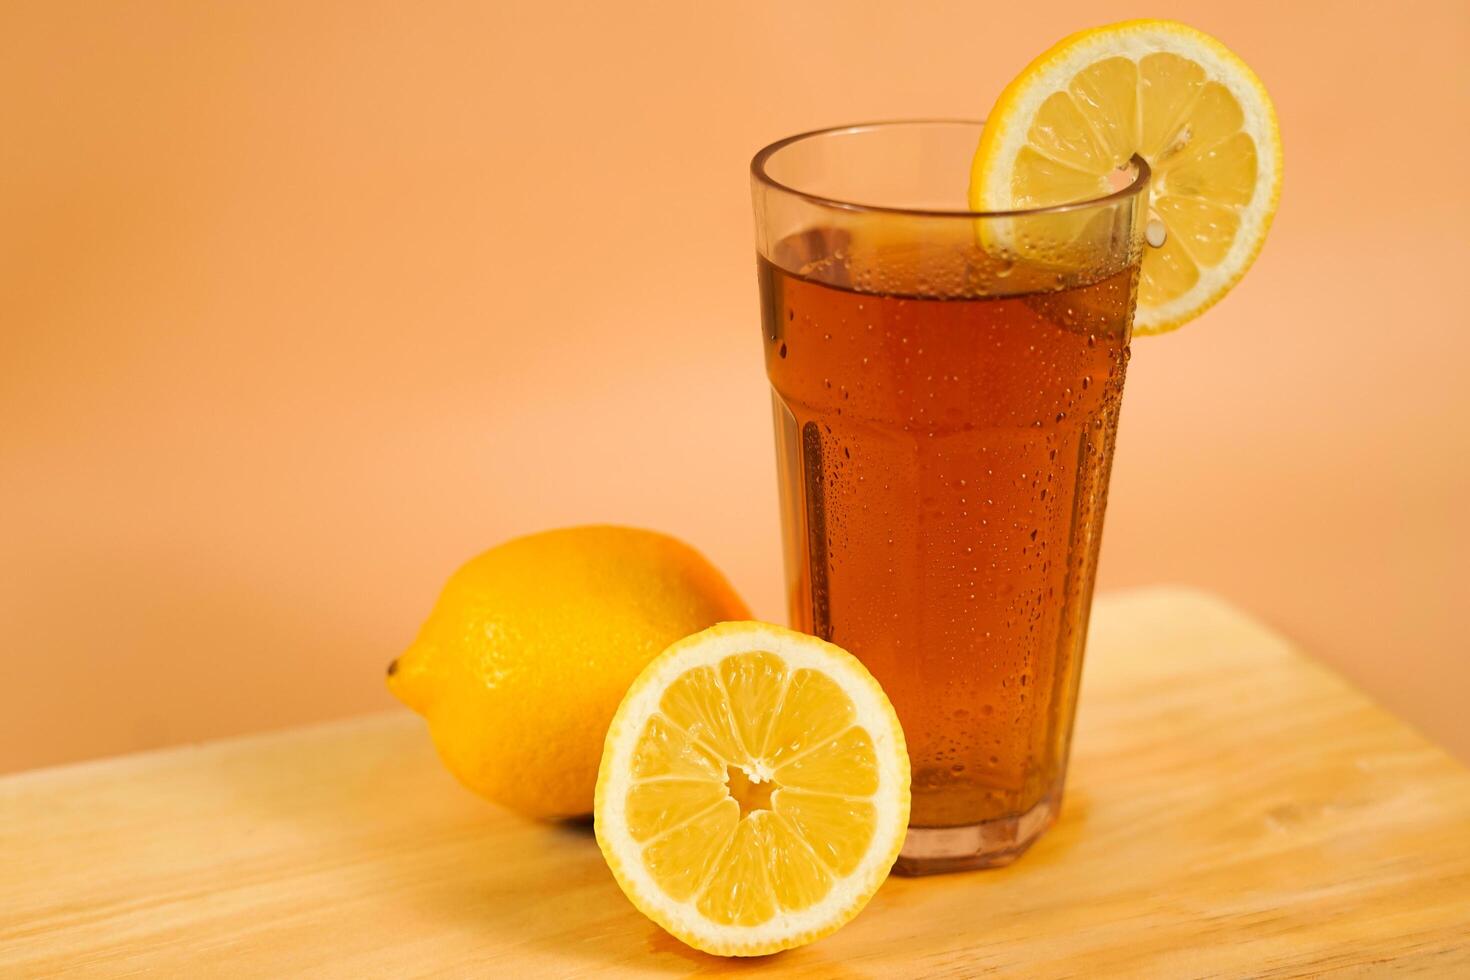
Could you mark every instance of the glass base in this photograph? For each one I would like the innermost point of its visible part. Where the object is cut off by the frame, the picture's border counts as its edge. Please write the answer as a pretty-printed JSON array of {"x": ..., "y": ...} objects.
[{"x": 990, "y": 844}]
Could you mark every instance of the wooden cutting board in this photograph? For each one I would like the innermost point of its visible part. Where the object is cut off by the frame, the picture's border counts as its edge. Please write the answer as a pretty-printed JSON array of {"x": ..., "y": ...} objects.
[{"x": 1234, "y": 810}]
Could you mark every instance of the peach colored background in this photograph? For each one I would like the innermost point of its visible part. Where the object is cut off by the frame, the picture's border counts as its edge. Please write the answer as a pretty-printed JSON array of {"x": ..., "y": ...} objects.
[{"x": 301, "y": 304}]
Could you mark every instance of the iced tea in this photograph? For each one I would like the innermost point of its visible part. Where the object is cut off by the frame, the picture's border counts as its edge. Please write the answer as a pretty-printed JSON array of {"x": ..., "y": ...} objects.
[{"x": 944, "y": 455}]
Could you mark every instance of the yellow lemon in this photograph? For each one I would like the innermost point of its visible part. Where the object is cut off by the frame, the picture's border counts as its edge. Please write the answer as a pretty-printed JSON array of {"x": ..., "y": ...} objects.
[
  {"x": 754, "y": 789},
  {"x": 532, "y": 645},
  {"x": 1065, "y": 127}
]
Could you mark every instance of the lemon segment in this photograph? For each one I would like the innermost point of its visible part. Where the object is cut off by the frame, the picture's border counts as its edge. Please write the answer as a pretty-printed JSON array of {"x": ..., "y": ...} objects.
[
  {"x": 754, "y": 789},
  {"x": 798, "y": 877},
  {"x": 846, "y": 765},
  {"x": 815, "y": 713},
  {"x": 840, "y": 827},
  {"x": 681, "y": 859},
  {"x": 1062, "y": 131}
]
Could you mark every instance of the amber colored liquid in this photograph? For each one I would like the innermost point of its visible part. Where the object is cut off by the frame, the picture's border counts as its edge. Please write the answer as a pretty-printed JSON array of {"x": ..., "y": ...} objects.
[{"x": 944, "y": 468}]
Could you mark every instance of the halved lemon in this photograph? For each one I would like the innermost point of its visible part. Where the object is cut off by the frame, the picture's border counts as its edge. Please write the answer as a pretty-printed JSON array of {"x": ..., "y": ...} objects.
[
  {"x": 1075, "y": 116},
  {"x": 754, "y": 789}
]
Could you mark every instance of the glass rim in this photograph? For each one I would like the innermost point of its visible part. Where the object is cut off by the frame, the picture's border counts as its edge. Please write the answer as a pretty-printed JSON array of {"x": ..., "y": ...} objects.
[{"x": 759, "y": 173}]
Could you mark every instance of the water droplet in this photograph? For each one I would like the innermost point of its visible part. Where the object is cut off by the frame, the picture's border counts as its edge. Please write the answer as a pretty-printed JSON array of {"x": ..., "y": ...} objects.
[{"x": 1156, "y": 232}]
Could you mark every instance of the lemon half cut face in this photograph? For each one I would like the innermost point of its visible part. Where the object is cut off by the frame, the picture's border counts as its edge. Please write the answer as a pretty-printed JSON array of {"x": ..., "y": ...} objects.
[{"x": 754, "y": 789}]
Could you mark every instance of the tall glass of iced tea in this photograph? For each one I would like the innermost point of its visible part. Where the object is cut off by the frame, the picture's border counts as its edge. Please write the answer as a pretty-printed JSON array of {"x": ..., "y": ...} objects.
[{"x": 946, "y": 386}]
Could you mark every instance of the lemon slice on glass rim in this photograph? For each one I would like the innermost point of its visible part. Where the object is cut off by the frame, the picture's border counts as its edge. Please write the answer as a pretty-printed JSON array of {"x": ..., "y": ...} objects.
[
  {"x": 1064, "y": 128},
  {"x": 754, "y": 789}
]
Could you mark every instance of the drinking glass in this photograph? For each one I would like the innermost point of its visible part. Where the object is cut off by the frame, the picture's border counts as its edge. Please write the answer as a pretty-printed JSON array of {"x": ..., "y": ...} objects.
[{"x": 946, "y": 386}]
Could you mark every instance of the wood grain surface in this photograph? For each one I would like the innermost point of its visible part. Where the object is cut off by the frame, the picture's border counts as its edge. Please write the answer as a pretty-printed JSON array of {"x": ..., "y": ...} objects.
[{"x": 1234, "y": 810}]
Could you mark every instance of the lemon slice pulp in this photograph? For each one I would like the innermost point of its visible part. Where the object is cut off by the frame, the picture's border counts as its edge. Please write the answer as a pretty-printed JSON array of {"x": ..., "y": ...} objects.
[
  {"x": 754, "y": 789},
  {"x": 1062, "y": 130}
]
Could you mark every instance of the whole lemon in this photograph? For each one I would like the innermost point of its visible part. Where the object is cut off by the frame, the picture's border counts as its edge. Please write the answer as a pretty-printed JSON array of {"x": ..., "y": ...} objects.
[{"x": 533, "y": 644}]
